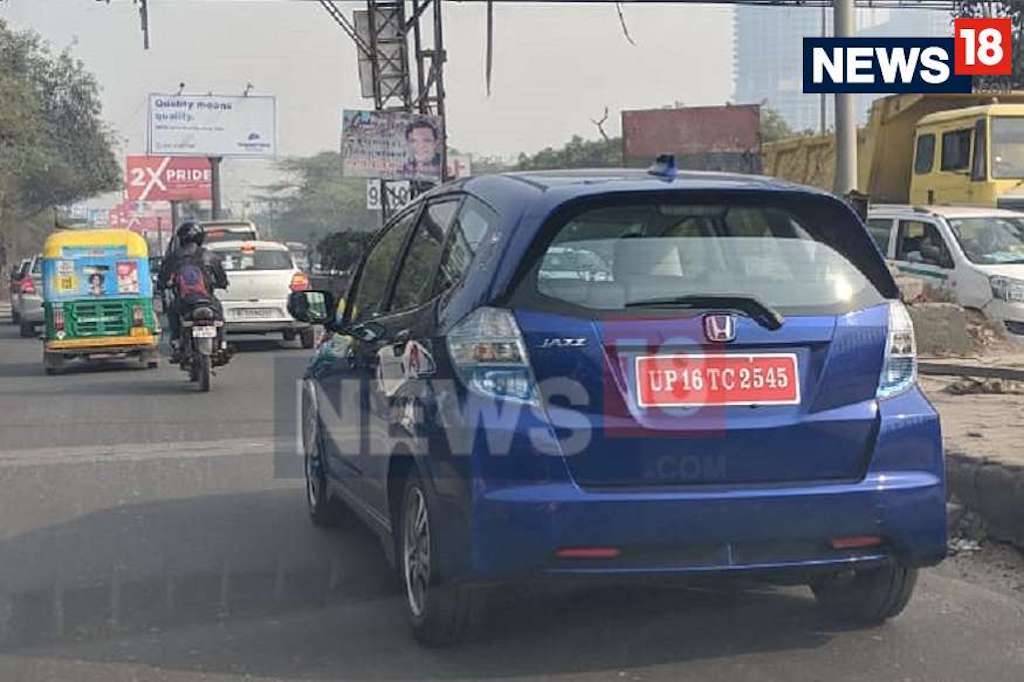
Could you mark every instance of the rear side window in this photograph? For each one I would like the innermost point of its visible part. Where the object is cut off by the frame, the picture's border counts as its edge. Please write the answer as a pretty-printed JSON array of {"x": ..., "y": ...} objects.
[
  {"x": 956, "y": 150},
  {"x": 880, "y": 230},
  {"x": 260, "y": 259},
  {"x": 413, "y": 285},
  {"x": 924, "y": 156},
  {"x": 618, "y": 258},
  {"x": 377, "y": 268},
  {"x": 467, "y": 233}
]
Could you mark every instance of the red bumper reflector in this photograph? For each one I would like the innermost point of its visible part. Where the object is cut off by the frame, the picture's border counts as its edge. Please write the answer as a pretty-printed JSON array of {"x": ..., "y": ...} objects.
[
  {"x": 588, "y": 553},
  {"x": 856, "y": 542}
]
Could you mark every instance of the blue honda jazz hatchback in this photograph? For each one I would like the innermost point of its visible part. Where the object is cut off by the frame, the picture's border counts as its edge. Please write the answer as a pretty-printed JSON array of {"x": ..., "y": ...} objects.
[{"x": 625, "y": 373}]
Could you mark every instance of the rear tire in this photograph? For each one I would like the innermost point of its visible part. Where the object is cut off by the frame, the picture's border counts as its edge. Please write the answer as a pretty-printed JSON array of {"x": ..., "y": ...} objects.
[
  {"x": 27, "y": 330},
  {"x": 324, "y": 510},
  {"x": 440, "y": 614},
  {"x": 202, "y": 364},
  {"x": 288, "y": 335},
  {"x": 53, "y": 363},
  {"x": 308, "y": 337},
  {"x": 867, "y": 597}
]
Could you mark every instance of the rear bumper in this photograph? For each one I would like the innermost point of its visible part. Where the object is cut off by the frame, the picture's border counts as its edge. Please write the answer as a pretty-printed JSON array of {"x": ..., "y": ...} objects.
[
  {"x": 108, "y": 345},
  {"x": 264, "y": 327},
  {"x": 516, "y": 529},
  {"x": 519, "y": 529}
]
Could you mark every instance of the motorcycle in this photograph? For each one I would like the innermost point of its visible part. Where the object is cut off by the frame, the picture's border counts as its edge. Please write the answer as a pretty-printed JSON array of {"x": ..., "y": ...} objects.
[{"x": 203, "y": 345}]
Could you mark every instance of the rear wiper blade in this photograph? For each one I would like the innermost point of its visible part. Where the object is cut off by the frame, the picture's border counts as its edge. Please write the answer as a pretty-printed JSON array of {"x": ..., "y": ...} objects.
[{"x": 750, "y": 306}]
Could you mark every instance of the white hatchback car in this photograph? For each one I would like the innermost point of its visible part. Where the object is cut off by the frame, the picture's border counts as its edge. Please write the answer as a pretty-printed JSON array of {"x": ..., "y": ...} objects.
[
  {"x": 261, "y": 275},
  {"x": 974, "y": 253}
]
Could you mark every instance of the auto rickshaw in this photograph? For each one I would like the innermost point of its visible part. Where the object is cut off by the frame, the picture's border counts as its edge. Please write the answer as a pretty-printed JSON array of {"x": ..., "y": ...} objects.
[{"x": 97, "y": 298}]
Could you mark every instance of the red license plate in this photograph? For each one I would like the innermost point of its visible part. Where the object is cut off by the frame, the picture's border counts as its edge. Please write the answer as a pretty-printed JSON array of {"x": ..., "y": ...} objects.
[{"x": 709, "y": 379}]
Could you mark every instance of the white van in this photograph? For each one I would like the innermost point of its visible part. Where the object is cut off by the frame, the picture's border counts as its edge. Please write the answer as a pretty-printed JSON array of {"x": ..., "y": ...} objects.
[{"x": 974, "y": 253}]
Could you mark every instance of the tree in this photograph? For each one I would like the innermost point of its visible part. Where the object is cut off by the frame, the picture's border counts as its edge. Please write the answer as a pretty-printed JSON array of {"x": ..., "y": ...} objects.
[
  {"x": 315, "y": 201},
  {"x": 773, "y": 126},
  {"x": 576, "y": 153},
  {"x": 55, "y": 148}
]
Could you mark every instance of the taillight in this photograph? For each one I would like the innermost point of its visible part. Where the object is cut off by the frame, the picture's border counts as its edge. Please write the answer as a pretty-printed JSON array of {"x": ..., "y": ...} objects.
[
  {"x": 899, "y": 370},
  {"x": 300, "y": 282},
  {"x": 58, "y": 319},
  {"x": 138, "y": 320},
  {"x": 28, "y": 286},
  {"x": 489, "y": 355}
]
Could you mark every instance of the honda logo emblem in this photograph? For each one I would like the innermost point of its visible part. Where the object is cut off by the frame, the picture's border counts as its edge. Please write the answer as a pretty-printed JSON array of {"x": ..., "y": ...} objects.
[{"x": 720, "y": 328}]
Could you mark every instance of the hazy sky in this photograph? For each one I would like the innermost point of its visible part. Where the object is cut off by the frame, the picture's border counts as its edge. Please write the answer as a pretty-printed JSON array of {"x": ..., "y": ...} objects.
[{"x": 555, "y": 67}]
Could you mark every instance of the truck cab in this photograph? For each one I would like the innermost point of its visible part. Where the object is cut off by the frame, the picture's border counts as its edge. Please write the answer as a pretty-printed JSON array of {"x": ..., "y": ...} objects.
[{"x": 971, "y": 156}]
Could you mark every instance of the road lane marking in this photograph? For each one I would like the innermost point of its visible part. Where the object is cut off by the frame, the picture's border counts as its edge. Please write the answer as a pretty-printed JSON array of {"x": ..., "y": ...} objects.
[{"x": 141, "y": 452}]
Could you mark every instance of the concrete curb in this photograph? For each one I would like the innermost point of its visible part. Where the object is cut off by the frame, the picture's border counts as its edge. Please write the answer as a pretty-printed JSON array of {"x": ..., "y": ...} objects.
[{"x": 993, "y": 490}]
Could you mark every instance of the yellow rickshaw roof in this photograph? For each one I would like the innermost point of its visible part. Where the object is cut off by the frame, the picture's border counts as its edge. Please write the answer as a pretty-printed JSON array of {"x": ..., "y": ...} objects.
[{"x": 135, "y": 244}]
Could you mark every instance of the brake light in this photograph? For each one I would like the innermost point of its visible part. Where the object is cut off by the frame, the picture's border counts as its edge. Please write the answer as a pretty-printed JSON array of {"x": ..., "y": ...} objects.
[
  {"x": 300, "y": 282},
  {"x": 58, "y": 319},
  {"x": 489, "y": 355},
  {"x": 137, "y": 318},
  {"x": 28, "y": 286},
  {"x": 899, "y": 370}
]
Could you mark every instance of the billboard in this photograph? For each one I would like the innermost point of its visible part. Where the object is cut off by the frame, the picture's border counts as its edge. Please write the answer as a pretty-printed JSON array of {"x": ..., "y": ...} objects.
[
  {"x": 212, "y": 125},
  {"x": 726, "y": 138},
  {"x": 391, "y": 145},
  {"x": 168, "y": 178}
]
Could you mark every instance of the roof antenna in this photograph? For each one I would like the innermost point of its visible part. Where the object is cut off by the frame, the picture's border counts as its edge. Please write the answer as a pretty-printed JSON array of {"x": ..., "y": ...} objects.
[{"x": 664, "y": 167}]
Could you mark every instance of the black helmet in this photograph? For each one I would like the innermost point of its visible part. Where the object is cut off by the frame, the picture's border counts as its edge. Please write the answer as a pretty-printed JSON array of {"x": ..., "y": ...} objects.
[{"x": 190, "y": 232}]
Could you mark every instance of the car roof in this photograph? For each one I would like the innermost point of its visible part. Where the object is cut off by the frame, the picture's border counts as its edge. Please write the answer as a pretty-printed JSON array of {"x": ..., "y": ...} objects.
[
  {"x": 944, "y": 211},
  {"x": 239, "y": 243},
  {"x": 510, "y": 189}
]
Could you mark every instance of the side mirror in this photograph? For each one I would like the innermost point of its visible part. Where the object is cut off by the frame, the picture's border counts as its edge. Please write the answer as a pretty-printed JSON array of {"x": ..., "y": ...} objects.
[{"x": 313, "y": 307}]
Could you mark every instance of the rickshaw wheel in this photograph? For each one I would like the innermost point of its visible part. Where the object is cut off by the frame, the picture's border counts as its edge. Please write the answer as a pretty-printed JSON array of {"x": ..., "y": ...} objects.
[{"x": 53, "y": 363}]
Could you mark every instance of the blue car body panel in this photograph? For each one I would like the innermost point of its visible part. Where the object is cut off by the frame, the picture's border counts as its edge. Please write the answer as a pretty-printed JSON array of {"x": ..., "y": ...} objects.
[{"x": 725, "y": 489}]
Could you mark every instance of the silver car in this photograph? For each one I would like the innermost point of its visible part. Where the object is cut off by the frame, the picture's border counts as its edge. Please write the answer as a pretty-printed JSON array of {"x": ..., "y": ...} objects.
[{"x": 27, "y": 299}]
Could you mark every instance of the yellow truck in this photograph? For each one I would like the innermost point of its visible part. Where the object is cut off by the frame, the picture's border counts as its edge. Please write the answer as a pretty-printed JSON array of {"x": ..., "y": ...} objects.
[{"x": 955, "y": 149}]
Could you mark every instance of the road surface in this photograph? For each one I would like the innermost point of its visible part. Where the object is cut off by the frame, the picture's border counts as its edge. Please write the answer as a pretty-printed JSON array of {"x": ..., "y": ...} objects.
[{"x": 148, "y": 532}]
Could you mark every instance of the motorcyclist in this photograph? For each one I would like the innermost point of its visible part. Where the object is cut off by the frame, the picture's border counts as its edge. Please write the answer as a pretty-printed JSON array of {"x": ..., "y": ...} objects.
[{"x": 192, "y": 273}]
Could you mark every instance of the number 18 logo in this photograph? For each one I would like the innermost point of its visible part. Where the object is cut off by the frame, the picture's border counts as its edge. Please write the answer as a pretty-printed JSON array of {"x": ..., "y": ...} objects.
[{"x": 984, "y": 47}]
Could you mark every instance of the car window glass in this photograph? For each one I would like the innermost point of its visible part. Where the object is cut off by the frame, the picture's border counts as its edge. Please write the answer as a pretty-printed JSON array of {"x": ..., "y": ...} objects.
[
  {"x": 956, "y": 150},
  {"x": 261, "y": 259},
  {"x": 921, "y": 242},
  {"x": 37, "y": 266},
  {"x": 979, "y": 165},
  {"x": 881, "y": 231},
  {"x": 613, "y": 259},
  {"x": 420, "y": 265},
  {"x": 380, "y": 263},
  {"x": 924, "y": 156},
  {"x": 467, "y": 233}
]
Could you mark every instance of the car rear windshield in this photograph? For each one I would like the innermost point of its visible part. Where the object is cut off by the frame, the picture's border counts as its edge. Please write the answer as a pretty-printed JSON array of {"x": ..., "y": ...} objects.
[
  {"x": 614, "y": 258},
  {"x": 212, "y": 235},
  {"x": 260, "y": 259}
]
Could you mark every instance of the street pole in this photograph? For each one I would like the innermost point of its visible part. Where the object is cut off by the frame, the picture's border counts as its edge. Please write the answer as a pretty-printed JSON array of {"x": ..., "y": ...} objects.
[
  {"x": 215, "y": 187},
  {"x": 160, "y": 234},
  {"x": 846, "y": 123},
  {"x": 822, "y": 102},
  {"x": 175, "y": 214}
]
